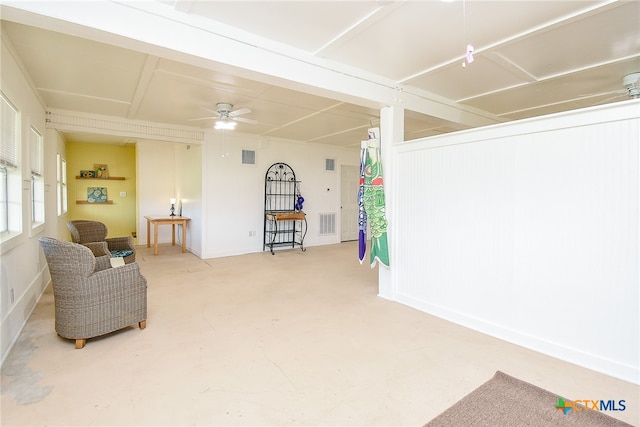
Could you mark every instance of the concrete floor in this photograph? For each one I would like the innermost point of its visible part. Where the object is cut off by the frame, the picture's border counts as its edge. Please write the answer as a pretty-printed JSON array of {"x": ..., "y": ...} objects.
[{"x": 287, "y": 339}]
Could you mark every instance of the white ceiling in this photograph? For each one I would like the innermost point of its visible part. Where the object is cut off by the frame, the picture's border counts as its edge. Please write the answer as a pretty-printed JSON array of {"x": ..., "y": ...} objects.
[{"x": 531, "y": 58}]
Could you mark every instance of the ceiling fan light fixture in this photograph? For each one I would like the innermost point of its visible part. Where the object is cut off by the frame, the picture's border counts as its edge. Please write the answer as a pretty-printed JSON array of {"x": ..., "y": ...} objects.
[{"x": 225, "y": 124}]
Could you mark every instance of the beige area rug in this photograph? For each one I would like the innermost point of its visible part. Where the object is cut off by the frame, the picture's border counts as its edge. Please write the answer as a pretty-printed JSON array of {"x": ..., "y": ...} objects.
[{"x": 508, "y": 401}]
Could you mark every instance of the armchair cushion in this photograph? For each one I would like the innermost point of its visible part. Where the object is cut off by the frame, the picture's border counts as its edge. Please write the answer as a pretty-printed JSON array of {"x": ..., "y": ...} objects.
[{"x": 121, "y": 253}]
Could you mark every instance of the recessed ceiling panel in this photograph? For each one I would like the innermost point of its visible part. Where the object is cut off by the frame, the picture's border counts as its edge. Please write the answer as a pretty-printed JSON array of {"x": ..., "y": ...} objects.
[
  {"x": 421, "y": 35},
  {"x": 320, "y": 124},
  {"x": 532, "y": 57},
  {"x": 592, "y": 83},
  {"x": 350, "y": 139},
  {"x": 306, "y": 25},
  {"x": 561, "y": 107},
  {"x": 65, "y": 64},
  {"x": 418, "y": 125},
  {"x": 358, "y": 111},
  {"x": 208, "y": 77},
  {"x": 185, "y": 91},
  {"x": 177, "y": 103},
  {"x": 594, "y": 39},
  {"x": 456, "y": 82},
  {"x": 280, "y": 95}
]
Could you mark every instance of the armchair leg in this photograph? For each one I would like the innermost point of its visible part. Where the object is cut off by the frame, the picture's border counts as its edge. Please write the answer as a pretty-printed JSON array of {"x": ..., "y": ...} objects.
[
  {"x": 80, "y": 343},
  {"x": 142, "y": 324}
]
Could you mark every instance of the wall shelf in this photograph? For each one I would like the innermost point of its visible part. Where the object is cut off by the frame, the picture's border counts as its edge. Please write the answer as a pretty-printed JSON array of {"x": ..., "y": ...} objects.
[
  {"x": 112, "y": 178},
  {"x": 85, "y": 202}
]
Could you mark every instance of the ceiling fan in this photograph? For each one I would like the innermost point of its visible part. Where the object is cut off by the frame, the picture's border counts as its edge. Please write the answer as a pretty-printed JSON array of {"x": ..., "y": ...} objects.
[
  {"x": 226, "y": 117},
  {"x": 631, "y": 84}
]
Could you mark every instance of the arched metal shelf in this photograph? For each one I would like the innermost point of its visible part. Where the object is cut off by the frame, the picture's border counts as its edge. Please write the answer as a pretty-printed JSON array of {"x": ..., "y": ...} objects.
[{"x": 284, "y": 225}]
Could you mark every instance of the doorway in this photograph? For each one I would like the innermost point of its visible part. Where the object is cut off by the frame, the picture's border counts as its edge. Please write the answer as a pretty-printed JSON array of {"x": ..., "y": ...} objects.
[{"x": 349, "y": 185}]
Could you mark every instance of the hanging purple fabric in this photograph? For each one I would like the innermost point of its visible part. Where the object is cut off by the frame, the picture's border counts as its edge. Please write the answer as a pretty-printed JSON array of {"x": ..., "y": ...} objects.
[{"x": 362, "y": 215}]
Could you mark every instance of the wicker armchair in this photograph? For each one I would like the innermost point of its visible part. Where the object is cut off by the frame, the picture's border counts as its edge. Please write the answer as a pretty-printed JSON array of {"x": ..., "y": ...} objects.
[
  {"x": 93, "y": 234},
  {"x": 91, "y": 298}
]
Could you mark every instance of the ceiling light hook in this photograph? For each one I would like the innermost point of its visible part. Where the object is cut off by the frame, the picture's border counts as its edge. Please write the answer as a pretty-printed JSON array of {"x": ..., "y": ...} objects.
[{"x": 469, "y": 49}]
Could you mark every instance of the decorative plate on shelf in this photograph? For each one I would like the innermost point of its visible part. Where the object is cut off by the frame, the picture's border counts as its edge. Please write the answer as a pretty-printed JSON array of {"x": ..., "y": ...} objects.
[{"x": 97, "y": 194}]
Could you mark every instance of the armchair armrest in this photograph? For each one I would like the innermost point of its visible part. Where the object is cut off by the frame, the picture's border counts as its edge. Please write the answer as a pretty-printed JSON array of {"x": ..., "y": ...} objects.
[
  {"x": 98, "y": 248},
  {"x": 126, "y": 278},
  {"x": 102, "y": 263}
]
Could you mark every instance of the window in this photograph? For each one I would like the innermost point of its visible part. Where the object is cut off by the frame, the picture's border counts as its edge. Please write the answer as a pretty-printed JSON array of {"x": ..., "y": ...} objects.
[
  {"x": 58, "y": 184},
  {"x": 61, "y": 187},
  {"x": 4, "y": 215},
  {"x": 10, "y": 180},
  {"x": 37, "y": 179}
]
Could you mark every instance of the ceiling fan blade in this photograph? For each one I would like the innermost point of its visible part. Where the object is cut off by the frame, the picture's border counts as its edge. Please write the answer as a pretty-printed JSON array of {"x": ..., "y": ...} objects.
[
  {"x": 210, "y": 110},
  {"x": 245, "y": 120},
  {"x": 239, "y": 112},
  {"x": 203, "y": 118}
]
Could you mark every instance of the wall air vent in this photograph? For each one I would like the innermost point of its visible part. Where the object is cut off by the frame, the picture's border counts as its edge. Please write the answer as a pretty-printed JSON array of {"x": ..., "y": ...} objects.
[
  {"x": 248, "y": 157},
  {"x": 327, "y": 224},
  {"x": 330, "y": 164}
]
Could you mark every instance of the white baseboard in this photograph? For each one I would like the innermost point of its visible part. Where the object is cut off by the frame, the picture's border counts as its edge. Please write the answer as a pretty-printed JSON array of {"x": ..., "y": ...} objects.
[
  {"x": 557, "y": 350},
  {"x": 15, "y": 320}
]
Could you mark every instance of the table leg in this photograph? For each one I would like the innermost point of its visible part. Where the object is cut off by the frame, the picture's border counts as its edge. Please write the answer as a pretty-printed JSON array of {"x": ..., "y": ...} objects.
[
  {"x": 184, "y": 236},
  {"x": 155, "y": 238},
  {"x": 173, "y": 234},
  {"x": 148, "y": 233}
]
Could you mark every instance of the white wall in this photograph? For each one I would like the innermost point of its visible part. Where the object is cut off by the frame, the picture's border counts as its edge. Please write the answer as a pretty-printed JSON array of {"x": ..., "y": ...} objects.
[
  {"x": 189, "y": 192},
  {"x": 528, "y": 231},
  {"x": 22, "y": 266},
  {"x": 234, "y": 193},
  {"x": 156, "y": 178},
  {"x": 166, "y": 170},
  {"x": 225, "y": 198}
]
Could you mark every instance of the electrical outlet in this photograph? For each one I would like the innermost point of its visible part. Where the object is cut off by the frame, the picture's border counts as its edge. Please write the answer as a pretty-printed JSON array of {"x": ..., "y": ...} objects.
[
  {"x": 252, "y": 233},
  {"x": 12, "y": 296}
]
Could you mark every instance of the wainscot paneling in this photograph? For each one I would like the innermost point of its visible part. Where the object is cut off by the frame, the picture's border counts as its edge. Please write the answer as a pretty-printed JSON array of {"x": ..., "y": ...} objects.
[{"x": 528, "y": 231}]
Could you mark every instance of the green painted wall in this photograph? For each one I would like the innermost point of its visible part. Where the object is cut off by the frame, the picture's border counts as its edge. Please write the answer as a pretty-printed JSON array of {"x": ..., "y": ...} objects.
[{"x": 120, "y": 217}]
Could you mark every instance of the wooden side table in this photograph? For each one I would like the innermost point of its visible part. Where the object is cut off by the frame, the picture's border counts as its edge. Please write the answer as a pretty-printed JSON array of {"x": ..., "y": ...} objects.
[{"x": 161, "y": 220}]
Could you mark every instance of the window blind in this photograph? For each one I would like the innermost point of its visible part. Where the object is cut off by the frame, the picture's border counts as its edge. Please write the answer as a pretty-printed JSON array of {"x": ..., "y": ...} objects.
[{"x": 8, "y": 133}]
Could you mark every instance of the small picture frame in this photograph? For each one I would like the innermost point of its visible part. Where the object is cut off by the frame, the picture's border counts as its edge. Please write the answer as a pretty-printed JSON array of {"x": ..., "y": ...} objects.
[
  {"x": 87, "y": 174},
  {"x": 97, "y": 194},
  {"x": 101, "y": 170}
]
